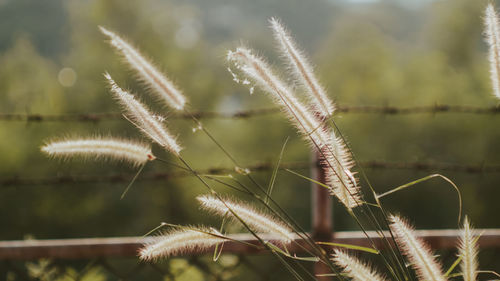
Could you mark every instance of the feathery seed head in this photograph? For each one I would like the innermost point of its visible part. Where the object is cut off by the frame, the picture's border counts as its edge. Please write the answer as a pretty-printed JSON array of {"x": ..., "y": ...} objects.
[
  {"x": 492, "y": 34},
  {"x": 337, "y": 163},
  {"x": 257, "y": 70},
  {"x": 100, "y": 148},
  {"x": 253, "y": 218},
  {"x": 354, "y": 268},
  {"x": 337, "y": 160},
  {"x": 302, "y": 70},
  {"x": 180, "y": 241},
  {"x": 416, "y": 250},
  {"x": 143, "y": 119},
  {"x": 468, "y": 250},
  {"x": 147, "y": 72}
]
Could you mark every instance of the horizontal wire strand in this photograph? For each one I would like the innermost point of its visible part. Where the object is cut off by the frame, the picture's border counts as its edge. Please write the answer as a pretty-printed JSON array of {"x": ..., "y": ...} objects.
[
  {"x": 244, "y": 114},
  {"x": 258, "y": 167}
]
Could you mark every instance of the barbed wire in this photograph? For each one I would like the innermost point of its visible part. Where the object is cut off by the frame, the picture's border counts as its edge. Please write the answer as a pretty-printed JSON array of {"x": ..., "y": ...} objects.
[
  {"x": 110, "y": 116},
  {"x": 259, "y": 167},
  {"x": 243, "y": 114}
]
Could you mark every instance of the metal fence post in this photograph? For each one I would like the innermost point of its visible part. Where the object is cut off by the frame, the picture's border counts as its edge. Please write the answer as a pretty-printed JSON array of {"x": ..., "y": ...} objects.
[{"x": 322, "y": 220}]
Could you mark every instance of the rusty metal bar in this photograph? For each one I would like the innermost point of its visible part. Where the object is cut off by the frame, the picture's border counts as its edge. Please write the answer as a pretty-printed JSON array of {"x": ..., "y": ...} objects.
[
  {"x": 322, "y": 220},
  {"x": 86, "y": 248}
]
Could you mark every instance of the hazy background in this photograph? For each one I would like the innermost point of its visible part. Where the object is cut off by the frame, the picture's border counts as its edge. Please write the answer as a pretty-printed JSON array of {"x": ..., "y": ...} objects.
[{"x": 396, "y": 53}]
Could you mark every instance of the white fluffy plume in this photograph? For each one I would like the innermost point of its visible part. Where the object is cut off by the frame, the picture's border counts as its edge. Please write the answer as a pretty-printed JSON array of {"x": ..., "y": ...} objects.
[
  {"x": 493, "y": 39},
  {"x": 336, "y": 158},
  {"x": 416, "y": 250},
  {"x": 253, "y": 218},
  {"x": 148, "y": 73},
  {"x": 302, "y": 70},
  {"x": 354, "y": 268},
  {"x": 468, "y": 251},
  {"x": 180, "y": 241},
  {"x": 132, "y": 152},
  {"x": 140, "y": 116},
  {"x": 337, "y": 164},
  {"x": 257, "y": 70}
]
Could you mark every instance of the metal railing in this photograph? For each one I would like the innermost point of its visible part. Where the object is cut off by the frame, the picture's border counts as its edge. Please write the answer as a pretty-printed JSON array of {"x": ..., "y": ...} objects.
[
  {"x": 106, "y": 254},
  {"x": 98, "y": 251},
  {"x": 90, "y": 248}
]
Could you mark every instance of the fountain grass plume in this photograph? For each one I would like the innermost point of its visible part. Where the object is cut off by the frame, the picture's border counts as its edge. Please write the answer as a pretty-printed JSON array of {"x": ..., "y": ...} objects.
[
  {"x": 147, "y": 72},
  {"x": 133, "y": 152},
  {"x": 468, "y": 250},
  {"x": 143, "y": 119},
  {"x": 336, "y": 160},
  {"x": 180, "y": 241},
  {"x": 418, "y": 253},
  {"x": 492, "y": 34},
  {"x": 256, "y": 69},
  {"x": 302, "y": 71},
  {"x": 337, "y": 163},
  {"x": 354, "y": 268},
  {"x": 254, "y": 218}
]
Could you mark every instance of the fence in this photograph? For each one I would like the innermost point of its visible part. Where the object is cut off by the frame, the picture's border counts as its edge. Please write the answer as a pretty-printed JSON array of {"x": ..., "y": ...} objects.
[
  {"x": 267, "y": 166},
  {"x": 101, "y": 252},
  {"x": 85, "y": 254},
  {"x": 367, "y": 109}
]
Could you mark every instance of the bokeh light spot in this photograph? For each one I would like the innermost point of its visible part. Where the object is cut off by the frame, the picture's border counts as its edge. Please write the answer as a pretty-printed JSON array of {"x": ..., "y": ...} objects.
[{"x": 67, "y": 77}]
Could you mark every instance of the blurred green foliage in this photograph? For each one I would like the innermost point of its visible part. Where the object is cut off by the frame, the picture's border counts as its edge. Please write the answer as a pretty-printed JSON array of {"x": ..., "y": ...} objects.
[{"x": 378, "y": 54}]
